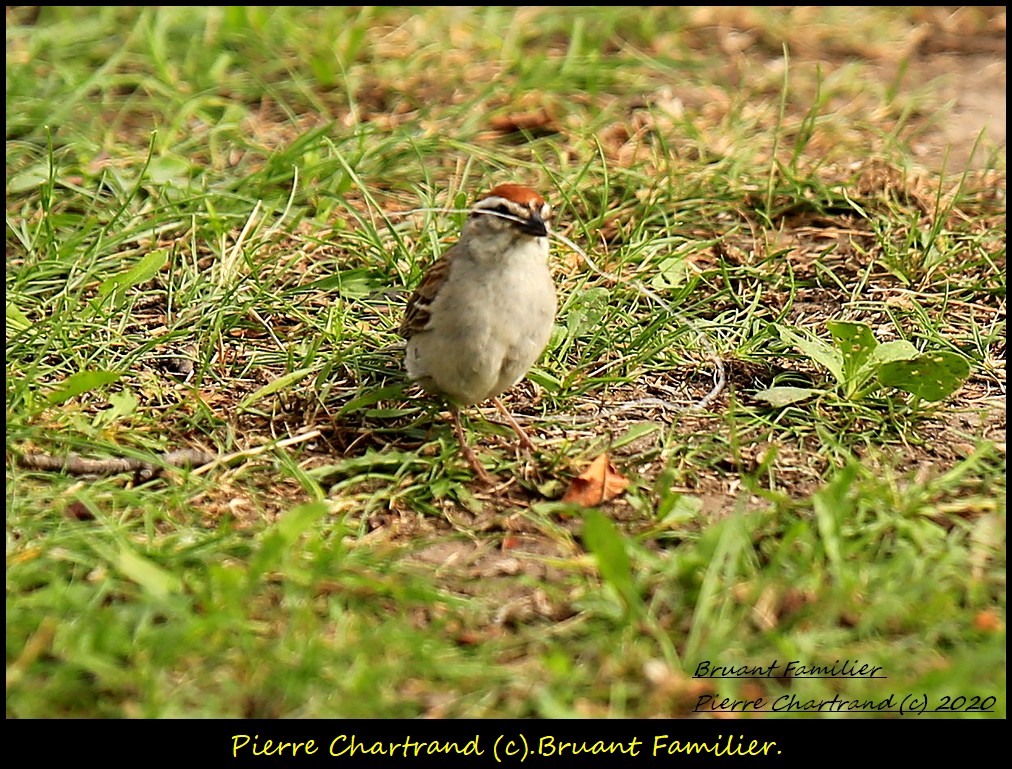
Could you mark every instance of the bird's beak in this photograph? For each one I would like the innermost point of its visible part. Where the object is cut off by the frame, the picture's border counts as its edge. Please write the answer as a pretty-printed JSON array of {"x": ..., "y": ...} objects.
[{"x": 535, "y": 226}]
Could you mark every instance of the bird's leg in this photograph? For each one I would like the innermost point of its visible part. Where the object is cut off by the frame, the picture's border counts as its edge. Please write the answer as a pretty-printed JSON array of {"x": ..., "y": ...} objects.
[
  {"x": 525, "y": 441},
  {"x": 467, "y": 451}
]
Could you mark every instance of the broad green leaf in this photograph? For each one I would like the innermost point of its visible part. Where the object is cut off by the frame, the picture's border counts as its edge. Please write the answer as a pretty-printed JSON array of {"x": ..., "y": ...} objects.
[
  {"x": 856, "y": 343},
  {"x": 932, "y": 376},
  {"x": 899, "y": 349},
  {"x": 120, "y": 405},
  {"x": 170, "y": 169},
  {"x": 671, "y": 272},
  {"x": 352, "y": 284},
  {"x": 79, "y": 383},
  {"x": 30, "y": 178},
  {"x": 123, "y": 404},
  {"x": 145, "y": 269},
  {"x": 606, "y": 542},
  {"x": 16, "y": 319},
  {"x": 586, "y": 311},
  {"x": 785, "y": 396},
  {"x": 544, "y": 379},
  {"x": 276, "y": 386},
  {"x": 147, "y": 574},
  {"x": 676, "y": 508},
  {"x": 828, "y": 357}
]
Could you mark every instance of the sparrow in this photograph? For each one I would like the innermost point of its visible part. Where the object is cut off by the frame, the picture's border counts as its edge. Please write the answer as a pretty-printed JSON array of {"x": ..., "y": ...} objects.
[{"x": 483, "y": 312}]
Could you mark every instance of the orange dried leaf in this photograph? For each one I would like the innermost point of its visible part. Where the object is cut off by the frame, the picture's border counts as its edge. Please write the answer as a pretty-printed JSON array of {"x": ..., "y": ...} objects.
[
  {"x": 537, "y": 122},
  {"x": 509, "y": 542},
  {"x": 78, "y": 511},
  {"x": 599, "y": 483},
  {"x": 987, "y": 621}
]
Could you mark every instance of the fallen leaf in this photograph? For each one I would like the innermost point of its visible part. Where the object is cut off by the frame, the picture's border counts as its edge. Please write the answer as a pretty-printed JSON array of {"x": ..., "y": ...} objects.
[
  {"x": 469, "y": 638},
  {"x": 781, "y": 396},
  {"x": 764, "y": 611},
  {"x": 599, "y": 483},
  {"x": 79, "y": 511},
  {"x": 987, "y": 622},
  {"x": 536, "y": 122}
]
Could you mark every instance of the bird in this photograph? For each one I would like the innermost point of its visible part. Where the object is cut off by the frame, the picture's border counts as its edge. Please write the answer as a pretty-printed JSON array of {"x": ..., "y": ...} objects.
[{"x": 483, "y": 312}]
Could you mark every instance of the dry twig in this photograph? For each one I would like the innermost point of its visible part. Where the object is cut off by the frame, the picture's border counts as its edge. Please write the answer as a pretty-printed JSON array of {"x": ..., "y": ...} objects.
[{"x": 75, "y": 464}]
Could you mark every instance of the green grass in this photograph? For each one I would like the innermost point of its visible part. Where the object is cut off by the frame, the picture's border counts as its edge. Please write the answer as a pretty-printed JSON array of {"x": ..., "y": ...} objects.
[{"x": 204, "y": 249}]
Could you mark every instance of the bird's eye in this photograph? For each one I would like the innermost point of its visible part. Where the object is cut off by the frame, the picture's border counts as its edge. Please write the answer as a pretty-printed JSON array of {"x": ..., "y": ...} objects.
[{"x": 502, "y": 210}]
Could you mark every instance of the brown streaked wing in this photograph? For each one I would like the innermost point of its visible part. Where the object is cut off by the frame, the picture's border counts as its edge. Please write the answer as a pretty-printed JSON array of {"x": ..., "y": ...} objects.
[{"x": 416, "y": 314}]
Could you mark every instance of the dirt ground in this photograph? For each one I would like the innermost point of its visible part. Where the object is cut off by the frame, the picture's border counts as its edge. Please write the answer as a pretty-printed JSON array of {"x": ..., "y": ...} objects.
[
  {"x": 965, "y": 78},
  {"x": 974, "y": 86}
]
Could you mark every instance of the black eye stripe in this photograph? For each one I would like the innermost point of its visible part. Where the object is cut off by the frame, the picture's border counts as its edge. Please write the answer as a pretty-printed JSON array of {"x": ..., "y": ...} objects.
[{"x": 499, "y": 210}]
